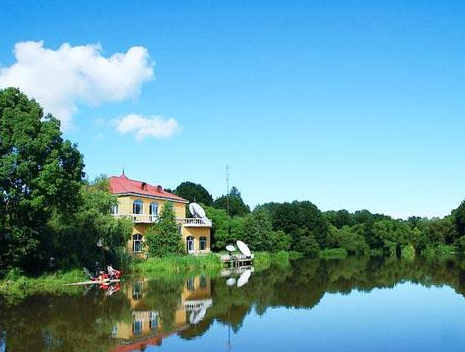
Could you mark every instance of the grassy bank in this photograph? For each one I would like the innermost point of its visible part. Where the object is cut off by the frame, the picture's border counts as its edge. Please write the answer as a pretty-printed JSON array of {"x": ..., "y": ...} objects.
[
  {"x": 16, "y": 286},
  {"x": 177, "y": 264},
  {"x": 209, "y": 263}
]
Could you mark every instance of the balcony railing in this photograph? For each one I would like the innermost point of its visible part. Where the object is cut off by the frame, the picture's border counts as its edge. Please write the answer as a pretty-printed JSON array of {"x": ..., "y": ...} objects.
[
  {"x": 150, "y": 219},
  {"x": 138, "y": 218},
  {"x": 195, "y": 222}
]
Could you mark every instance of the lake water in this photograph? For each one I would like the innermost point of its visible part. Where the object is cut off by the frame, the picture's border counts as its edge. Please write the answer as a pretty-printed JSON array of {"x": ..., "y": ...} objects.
[{"x": 309, "y": 305}]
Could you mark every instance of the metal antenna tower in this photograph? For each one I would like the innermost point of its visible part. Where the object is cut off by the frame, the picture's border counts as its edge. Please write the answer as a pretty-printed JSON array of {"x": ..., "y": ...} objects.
[{"x": 227, "y": 188}]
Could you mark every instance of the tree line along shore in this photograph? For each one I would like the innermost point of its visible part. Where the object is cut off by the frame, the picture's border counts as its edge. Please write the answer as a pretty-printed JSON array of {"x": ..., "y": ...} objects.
[{"x": 52, "y": 216}]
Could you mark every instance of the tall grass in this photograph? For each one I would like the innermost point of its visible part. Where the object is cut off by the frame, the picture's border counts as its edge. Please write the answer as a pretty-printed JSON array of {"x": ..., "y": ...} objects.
[
  {"x": 177, "y": 264},
  {"x": 16, "y": 286}
]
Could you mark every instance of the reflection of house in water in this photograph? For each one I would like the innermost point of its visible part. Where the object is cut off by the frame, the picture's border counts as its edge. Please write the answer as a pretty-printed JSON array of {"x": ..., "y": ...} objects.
[{"x": 146, "y": 327}]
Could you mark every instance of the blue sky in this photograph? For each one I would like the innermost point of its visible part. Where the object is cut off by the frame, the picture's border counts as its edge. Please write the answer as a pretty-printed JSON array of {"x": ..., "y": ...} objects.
[{"x": 349, "y": 104}]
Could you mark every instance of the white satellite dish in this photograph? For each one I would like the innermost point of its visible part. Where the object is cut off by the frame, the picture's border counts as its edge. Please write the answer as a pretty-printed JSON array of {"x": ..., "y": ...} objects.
[
  {"x": 231, "y": 281},
  {"x": 230, "y": 248},
  {"x": 243, "y": 248},
  {"x": 197, "y": 211},
  {"x": 197, "y": 317},
  {"x": 244, "y": 278}
]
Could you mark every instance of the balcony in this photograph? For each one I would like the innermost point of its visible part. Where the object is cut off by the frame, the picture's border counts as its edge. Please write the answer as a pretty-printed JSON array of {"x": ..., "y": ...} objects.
[
  {"x": 138, "y": 218},
  {"x": 151, "y": 219},
  {"x": 195, "y": 222}
]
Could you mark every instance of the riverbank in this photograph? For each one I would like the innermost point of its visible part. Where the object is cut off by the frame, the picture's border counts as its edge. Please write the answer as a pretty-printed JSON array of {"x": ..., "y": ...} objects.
[
  {"x": 16, "y": 286},
  {"x": 208, "y": 263}
]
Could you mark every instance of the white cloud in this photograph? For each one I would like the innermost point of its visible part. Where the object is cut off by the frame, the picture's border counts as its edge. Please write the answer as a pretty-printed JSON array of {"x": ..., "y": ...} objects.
[
  {"x": 152, "y": 126},
  {"x": 61, "y": 79}
]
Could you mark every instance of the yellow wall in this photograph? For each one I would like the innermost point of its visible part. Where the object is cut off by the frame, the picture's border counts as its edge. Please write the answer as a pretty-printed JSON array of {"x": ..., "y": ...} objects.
[
  {"x": 125, "y": 205},
  {"x": 197, "y": 232}
]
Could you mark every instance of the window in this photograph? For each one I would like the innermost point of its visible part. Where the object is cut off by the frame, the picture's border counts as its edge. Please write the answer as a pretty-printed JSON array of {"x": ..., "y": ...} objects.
[
  {"x": 137, "y": 207},
  {"x": 153, "y": 320},
  {"x": 190, "y": 284},
  {"x": 137, "y": 243},
  {"x": 137, "y": 290},
  {"x": 153, "y": 210},
  {"x": 190, "y": 244},
  {"x": 114, "y": 209},
  {"x": 203, "y": 281},
  {"x": 137, "y": 327},
  {"x": 203, "y": 243}
]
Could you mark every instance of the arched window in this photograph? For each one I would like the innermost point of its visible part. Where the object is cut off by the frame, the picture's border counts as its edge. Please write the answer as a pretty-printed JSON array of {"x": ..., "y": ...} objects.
[
  {"x": 153, "y": 320},
  {"x": 137, "y": 243},
  {"x": 203, "y": 243},
  {"x": 137, "y": 207},
  {"x": 190, "y": 244},
  {"x": 203, "y": 281},
  {"x": 153, "y": 210},
  {"x": 190, "y": 284}
]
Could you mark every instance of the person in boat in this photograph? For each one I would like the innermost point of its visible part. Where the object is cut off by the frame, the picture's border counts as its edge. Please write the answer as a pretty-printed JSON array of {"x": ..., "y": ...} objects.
[{"x": 111, "y": 272}]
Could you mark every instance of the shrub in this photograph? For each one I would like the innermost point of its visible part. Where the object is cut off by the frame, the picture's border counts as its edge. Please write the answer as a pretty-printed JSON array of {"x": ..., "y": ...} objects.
[{"x": 308, "y": 246}]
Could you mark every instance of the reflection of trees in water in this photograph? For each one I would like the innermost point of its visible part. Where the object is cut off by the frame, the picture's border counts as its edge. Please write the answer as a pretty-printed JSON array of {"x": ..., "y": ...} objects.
[
  {"x": 77, "y": 323},
  {"x": 63, "y": 323},
  {"x": 304, "y": 282},
  {"x": 164, "y": 296}
]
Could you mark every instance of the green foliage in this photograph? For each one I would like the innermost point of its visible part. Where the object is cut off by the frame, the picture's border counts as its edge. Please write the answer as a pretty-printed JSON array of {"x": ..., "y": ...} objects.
[
  {"x": 295, "y": 217},
  {"x": 280, "y": 241},
  {"x": 333, "y": 253},
  {"x": 194, "y": 192},
  {"x": 308, "y": 246},
  {"x": 233, "y": 201},
  {"x": 16, "y": 286},
  {"x": 226, "y": 230},
  {"x": 76, "y": 234},
  {"x": 163, "y": 238},
  {"x": 408, "y": 251},
  {"x": 349, "y": 238},
  {"x": 340, "y": 218},
  {"x": 258, "y": 230},
  {"x": 40, "y": 174},
  {"x": 459, "y": 219}
]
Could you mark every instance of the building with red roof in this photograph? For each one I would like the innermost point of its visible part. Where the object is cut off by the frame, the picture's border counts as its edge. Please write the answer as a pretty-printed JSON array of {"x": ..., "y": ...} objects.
[{"x": 142, "y": 203}]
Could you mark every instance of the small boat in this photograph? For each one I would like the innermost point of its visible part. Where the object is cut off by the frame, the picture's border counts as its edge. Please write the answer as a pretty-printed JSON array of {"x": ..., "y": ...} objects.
[{"x": 104, "y": 278}]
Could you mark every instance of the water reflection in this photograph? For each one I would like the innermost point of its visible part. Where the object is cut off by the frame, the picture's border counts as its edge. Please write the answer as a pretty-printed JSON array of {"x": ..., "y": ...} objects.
[
  {"x": 160, "y": 308},
  {"x": 148, "y": 311}
]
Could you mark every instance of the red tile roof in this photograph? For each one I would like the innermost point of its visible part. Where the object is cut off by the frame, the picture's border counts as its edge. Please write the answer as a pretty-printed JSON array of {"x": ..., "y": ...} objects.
[{"x": 123, "y": 185}]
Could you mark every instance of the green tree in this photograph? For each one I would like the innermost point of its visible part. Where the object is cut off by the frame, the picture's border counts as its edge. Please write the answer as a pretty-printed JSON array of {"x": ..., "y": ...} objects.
[
  {"x": 163, "y": 238},
  {"x": 296, "y": 216},
  {"x": 194, "y": 192},
  {"x": 459, "y": 219},
  {"x": 258, "y": 230},
  {"x": 40, "y": 173},
  {"x": 226, "y": 230},
  {"x": 349, "y": 238},
  {"x": 233, "y": 202},
  {"x": 281, "y": 241},
  {"x": 76, "y": 234},
  {"x": 307, "y": 245},
  {"x": 339, "y": 218}
]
